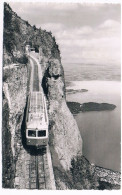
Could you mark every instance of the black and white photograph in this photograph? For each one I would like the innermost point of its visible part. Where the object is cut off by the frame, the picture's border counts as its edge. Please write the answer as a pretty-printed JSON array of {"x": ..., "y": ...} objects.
[{"x": 61, "y": 96}]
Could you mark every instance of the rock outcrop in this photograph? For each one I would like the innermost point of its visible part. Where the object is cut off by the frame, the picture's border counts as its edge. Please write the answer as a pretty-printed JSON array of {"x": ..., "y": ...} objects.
[
  {"x": 8, "y": 167},
  {"x": 65, "y": 137},
  {"x": 14, "y": 100}
]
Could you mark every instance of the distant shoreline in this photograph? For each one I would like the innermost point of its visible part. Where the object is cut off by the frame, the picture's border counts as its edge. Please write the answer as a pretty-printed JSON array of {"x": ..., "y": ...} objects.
[{"x": 73, "y": 91}]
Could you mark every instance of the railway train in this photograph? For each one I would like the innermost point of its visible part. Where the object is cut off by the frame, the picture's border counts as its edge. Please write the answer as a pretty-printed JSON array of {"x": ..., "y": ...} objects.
[{"x": 36, "y": 120}]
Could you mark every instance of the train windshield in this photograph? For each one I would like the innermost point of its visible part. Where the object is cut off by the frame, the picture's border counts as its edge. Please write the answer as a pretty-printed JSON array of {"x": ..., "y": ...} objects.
[
  {"x": 42, "y": 133},
  {"x": 31, "y": 133}
]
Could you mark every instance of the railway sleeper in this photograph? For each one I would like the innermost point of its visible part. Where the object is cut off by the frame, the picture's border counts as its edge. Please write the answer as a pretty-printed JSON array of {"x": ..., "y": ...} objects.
[
  {"x": 33, "y": 176},
  {"x": 33, "y": 171},
  {"x": 40, "y": 163},
  {"x": 42, "y": 186},
  {"x": 41, "y": 180},
  {"x": 41, "y": 175},
  {"x": 33, "y": 179},
  {"x": 33, "y": 186},
  {"x": 41, "y": 168}
]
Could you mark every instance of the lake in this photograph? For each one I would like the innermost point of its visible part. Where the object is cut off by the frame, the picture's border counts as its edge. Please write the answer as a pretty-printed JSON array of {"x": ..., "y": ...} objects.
[{"x": 100, "y": 130}]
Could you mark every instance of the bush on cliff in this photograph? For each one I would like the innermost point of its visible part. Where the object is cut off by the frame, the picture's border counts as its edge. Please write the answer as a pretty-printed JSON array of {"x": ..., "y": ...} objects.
[
  {"x": 21, "y": 59},
  {"x": 18, "y": 33},
  {"x": 83, "y": 174}
]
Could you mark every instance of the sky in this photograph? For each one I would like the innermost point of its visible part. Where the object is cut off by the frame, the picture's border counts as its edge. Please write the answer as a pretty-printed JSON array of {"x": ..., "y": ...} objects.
[{"x": 85, "y": 33}]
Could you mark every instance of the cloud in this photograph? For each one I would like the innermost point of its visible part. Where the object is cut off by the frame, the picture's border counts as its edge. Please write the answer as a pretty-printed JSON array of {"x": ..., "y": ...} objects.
[
  {"x": 53, "y": 27},
  {"x": 64, "y": 6},
  {"x": 99, "y": 45},
  {"x": 84, "y": 32},
  {"x": 70, "y": 14},
  {"x": 102, "y": 50},
  {"x": 110, "y": 24}
]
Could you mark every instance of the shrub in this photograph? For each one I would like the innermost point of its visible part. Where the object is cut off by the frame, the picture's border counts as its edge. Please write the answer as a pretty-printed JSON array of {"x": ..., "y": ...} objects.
[
  {"x": 22, "y": 59},
  {"x": 34, "y": 28},
  {"x": 36, "y": 48},
  {"x": 16, "y": 26},
  {"x": 7, "y": 18},
  {"x": 83, "y": 174}
]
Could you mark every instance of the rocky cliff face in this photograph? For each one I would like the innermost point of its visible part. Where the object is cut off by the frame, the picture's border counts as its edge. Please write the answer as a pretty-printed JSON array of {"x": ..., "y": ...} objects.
[
  {"x": 14, "y": 100},
  {"x": 65, "y": 138},
  {"x": 7, "y": 157}
]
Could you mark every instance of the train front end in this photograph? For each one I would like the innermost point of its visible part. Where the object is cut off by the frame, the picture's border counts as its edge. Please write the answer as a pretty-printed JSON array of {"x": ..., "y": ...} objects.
[{"x": 37, "y": 136}]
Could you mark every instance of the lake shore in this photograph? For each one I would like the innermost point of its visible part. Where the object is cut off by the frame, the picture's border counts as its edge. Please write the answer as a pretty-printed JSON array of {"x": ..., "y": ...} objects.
[
  {"x": 100, "y": 130},
  {"x": 100, "y": 178},
  {"x": 107, "y": 178}
]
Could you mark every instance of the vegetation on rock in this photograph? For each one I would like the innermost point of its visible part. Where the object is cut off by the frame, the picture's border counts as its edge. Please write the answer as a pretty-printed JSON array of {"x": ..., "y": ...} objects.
[
  {"x": 83, "y": 174},
  {"x": 17, "y": 33},
  {"x": 8, "y": 171}
]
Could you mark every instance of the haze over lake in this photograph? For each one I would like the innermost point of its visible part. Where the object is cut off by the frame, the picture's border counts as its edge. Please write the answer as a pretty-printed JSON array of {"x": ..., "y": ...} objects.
[{"x": 100, "y": 131}]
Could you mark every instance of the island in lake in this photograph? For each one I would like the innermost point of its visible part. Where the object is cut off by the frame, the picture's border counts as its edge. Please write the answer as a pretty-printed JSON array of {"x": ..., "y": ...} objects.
[{"x": 76, "y": 107}]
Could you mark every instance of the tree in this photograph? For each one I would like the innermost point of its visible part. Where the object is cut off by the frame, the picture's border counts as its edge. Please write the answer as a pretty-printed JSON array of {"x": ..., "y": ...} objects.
[
  {"x": 34, "y": 27},
  {"x": 83, "y": 174},
  {"x": 7, "y": 18}
]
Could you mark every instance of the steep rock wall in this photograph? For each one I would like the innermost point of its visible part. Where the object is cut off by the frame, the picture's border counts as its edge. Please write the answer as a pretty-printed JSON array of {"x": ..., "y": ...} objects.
[
  {"x": 14, "y": 100},
  {"x": 8, "y": 167},
  {"x": 65, "y": 137}
]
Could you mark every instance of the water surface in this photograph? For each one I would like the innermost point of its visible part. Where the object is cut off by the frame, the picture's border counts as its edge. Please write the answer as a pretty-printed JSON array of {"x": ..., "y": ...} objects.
[{"x": 100, "y": 131}]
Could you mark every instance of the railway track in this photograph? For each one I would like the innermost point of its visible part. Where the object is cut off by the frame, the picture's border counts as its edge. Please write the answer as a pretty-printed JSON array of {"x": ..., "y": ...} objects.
[
  {"x": 39, "y": 171},
  {"x": 33, "y": 170},
  {"x": 33, "y": 167},
  {"x": 35, "y": 80},
  {"x": 37, "y": 161},
  {"x": 37, "y": 176}
]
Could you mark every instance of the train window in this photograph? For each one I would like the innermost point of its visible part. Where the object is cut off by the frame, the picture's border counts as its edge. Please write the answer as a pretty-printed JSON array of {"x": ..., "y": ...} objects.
[
  {"x": 42, "y": 133},
  {"x": 31, "y": 133}
]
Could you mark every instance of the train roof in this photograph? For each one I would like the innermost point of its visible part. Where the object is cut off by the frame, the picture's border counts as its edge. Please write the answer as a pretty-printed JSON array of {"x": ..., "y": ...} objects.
[
  {"x": 36, "y": 103},
  {"x": 37, "y": 114}
]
